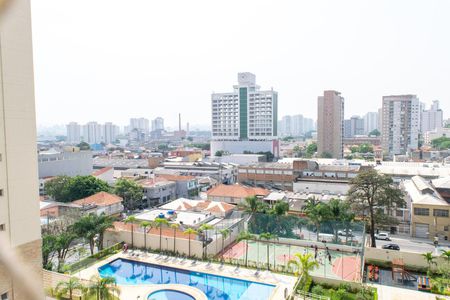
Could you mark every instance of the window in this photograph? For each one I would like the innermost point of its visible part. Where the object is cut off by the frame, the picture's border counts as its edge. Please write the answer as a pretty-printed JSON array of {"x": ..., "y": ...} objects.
[
  {"x": 399, "y": 213},
  {"x": 5, "y": 296},
  {"x": 446, "y": 228},
  {"x": 2, "y": 228},
  {"x": 440, "y": 213},
  {"x": 418, "y": 211},
  {"x": 1, "y": 192}
]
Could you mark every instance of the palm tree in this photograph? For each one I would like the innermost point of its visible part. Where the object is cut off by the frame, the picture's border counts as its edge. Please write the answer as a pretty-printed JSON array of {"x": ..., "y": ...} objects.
[
  {"x": 429, "y": 258},
  {"x": 103, "y": 222},
  {"x": 190, "y": 231},
  {"x": 103, "y": 288},
  {"x": 174, "y": 226},
  {"x": 245, "y": 236},
  {"x": 131, "y": 220},
  {"x": 159, "y": 222},
  {"x": 225, "y": 233},
  {"x": 67, "y": 287},
  {"x": 204, "y": 229},
  {"x": 317, "y": 212},
  {"x": 145, "y": 224},
  {"x": 304, "y": 264},
  {"x": 446, "y": 254},
  {"x": 267, "y": 236}
]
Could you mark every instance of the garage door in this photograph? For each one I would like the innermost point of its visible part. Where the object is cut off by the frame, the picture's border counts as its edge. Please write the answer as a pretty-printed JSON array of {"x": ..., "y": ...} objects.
[{"x": 422, "y": 231}]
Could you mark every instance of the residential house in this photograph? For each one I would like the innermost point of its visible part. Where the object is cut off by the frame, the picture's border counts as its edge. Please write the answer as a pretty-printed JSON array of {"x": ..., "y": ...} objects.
[
  {"x": 235, "y": 194},
  {"x": 101, "y": 202},
  {"x": 158, "y": 190},
  {"x": 186, "y": 186}
]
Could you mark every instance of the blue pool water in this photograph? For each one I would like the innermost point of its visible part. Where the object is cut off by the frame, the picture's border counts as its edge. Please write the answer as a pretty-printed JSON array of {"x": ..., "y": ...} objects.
[
  {"x": 169, "y": 295},
  {"x": 215, "y": 287}
]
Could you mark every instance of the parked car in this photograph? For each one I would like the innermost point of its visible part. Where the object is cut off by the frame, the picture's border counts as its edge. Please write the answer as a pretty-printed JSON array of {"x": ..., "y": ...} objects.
[
  {"x": 391, "y": 247},
  {"x": 382, "y": 236},
  {"x": 344, "y": 233}
]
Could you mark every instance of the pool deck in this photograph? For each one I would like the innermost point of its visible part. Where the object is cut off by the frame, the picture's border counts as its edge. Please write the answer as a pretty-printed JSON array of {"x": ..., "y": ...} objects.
[{"x": 281, "y": 282}]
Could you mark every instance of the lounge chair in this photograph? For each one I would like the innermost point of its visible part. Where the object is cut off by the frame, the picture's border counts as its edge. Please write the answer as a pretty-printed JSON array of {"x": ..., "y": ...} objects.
[
  {"x": 257, "y": 273},
  {"x": 236, "y": 270},
  {"x": 221, "y": 265},
  {"x": 208, "y": 265},
  {"x": 194, "y": 262}
]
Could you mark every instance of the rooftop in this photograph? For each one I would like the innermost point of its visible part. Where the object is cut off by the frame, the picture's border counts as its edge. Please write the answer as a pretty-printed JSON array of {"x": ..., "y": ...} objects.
[
  {"x": 101, "y": 171},
  {"x": 156, "y": 181},
  {"x": 183, "y": 204},
  {"x": 442, "y": 183},
  {"x": 187, "y": 218},
  {"x": 100, "y": 199},
  {"x": 421, "y": 192},
  {"x": 174, "y": 177},
  {"x": 236, "y": 191}
]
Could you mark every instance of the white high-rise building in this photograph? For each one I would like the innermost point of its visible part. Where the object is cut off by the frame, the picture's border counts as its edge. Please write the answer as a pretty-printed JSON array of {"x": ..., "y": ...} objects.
[
  {"x": 92, "y": 133},
  {"x": 73, "y": 132},
  {"x": 245, "y": 115},
  {"x": 401, "y": 124},
  {"x": 141, "y": 124},
  {"x": 158, "y": 124},
  {"x": 285, "y": 126},
  {"x": 432, "y": 119},
  {"x": 370, "y": 122},
  {"x": 109, "y": 132},
  {"x": 20, "y": 228},
  {"x": 297, "y": 125}
]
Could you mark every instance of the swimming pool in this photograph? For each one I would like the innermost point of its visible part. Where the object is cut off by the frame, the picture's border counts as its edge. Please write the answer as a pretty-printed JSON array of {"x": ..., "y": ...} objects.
[
  {"x": 169, "y": 295},
  {"x": 128, "y": 272}
]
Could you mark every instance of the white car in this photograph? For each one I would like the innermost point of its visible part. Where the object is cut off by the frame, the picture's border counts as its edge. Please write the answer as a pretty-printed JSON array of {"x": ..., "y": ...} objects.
[
  {"x": 344, "y": 233},
  {"x": 382, "y": 236}
]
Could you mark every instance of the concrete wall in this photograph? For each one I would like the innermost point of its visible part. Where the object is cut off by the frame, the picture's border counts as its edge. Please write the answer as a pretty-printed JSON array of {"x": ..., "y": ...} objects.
[
  {"x": 411, "y": 259},
  {"x": 65, "y": 163},
  {"x": 238, "y": 147}
]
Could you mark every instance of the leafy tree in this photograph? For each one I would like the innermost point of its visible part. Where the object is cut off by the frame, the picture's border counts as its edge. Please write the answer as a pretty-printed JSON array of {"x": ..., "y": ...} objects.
[
  {"x": 370, "y": 191},
  {"x": 131, "y": 220},
  {"x": 59, "y": 188},
  {"x": 145, "y": 225},
  {"x": 84, "y": 186},
  {"x": 326, "y": 155},
  {"x": 63, "y": 242},
  {"x": 93, "y": 226},
  {"x": 446, "y": 254},
  {"x": 280, "y": 208},
  {"x": 375, "y": 132},
  {"x": 441, "y": 143},
  {"x": 159, "y": 222},
  {"x": 311, "y": 149},
  {"x": 365, "y": 148},
  {"x": 130, "y": 191},
  {"x": 224, "y": 233},
  {"x": 219, "y": 153},
  {"x": 190, "y": 231},
  {"x": 267, "y": 236},
  {"x": 163, "y": 147},
  {"x": 103, "y": 288},
  {"x": 245, "y": 236},
  {"x": 174, "y": 226},
  {"x": 68, "y": 287},
  {"x": 318, "y": 213},
  {"x": 48, "y": 250},
  {"x": 430, "y": 259},
  {"x": 304, "y": 264},
  {"x": 204, "y": 229},
  {"x": 84, "y": 146}
]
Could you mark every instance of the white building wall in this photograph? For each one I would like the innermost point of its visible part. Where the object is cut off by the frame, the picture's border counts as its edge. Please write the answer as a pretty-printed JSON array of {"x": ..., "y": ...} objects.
[
  {"x": 73, "y": 132},
  {"x": 65, "y": 163}
]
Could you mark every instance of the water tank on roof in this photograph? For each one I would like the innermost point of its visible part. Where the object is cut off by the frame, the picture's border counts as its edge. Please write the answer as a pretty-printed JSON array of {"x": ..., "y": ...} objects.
[
  {"x": 171, "y": 212},
  {"x": 161, "y": 215}
]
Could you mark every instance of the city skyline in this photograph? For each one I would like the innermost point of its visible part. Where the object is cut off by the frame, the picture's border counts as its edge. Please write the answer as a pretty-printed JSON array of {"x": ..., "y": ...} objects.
[{"x": 130, "y": 78}]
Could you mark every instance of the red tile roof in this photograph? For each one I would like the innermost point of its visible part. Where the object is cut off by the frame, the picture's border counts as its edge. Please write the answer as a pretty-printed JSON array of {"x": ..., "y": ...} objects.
[
  {"x": 101, "y": 171},
  {"x": 100, "y": 199},
  {"x": 236, "y": 191}
]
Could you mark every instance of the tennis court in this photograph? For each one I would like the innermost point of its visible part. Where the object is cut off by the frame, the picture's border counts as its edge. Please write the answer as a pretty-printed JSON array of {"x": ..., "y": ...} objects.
[{"x": 332, "y": 264}]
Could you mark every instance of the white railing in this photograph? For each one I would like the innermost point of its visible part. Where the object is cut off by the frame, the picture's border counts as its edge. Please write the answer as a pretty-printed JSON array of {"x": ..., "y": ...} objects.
[{"x": 310, "y": 296}]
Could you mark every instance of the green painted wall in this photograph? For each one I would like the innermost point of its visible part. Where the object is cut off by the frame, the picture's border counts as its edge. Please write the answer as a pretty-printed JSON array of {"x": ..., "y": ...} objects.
[{"x": 243, "y": 113}]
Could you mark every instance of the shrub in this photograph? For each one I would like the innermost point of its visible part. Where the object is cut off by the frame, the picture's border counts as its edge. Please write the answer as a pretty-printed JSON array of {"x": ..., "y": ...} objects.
[{"x": 318, "y": 290}]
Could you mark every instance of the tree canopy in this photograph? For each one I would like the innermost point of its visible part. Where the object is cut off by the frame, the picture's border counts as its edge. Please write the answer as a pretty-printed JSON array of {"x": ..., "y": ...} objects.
[
  {"x": 66, "y": 189},
  {"x": 130, "y": 191},
  {"x": 375, "y": 132},
  {"x": 372, "y": 193},
  {"x": 441, "y": 143}
]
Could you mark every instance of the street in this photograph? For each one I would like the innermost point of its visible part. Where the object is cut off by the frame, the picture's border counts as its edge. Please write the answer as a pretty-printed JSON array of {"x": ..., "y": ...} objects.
[{"x": 413, "y": 245}]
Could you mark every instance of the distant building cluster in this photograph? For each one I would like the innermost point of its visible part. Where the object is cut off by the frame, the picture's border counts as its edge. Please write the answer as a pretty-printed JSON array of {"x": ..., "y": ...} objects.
[{"x": 295, "y": 125}]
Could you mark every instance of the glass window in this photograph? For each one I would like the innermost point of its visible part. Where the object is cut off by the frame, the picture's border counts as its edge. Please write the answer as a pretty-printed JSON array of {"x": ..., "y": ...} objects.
[
  {"x": 440, "y": 213},
  {"x": 418, "y": 211}
]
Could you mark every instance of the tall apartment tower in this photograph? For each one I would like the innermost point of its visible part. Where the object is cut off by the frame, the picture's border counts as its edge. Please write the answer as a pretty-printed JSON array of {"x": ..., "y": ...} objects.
[
  {"x": 92, "y": 133},
  {"x": 370, "y": 122},
  {"x": 330, "y": 124},
  {"x": 109, "y": 132},
  {"x": 245, "y": 115},
  {"x": 19, "y": 205},
  {"x": 401, "y": 124},
  {"x": 432, "y": 119},
  {"x": 158, "y": 124},
  {"x": 73, "y": 132}
]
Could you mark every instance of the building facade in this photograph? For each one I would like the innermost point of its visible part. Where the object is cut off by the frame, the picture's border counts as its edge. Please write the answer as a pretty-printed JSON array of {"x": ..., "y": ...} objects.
[
  {"x": 20, "y": 229},
  {"x": 158, "y": 124},
  {"x": 92, "y": 133},
  {"x": 401, "y": 124},
  {"x": 245, "y": 115},
  {"x": 432, "y": 119},
  {"x": 69, "y": 163},
  {"x": 330, "y": 124},
  {"x": 73, "y": 133},
  {"x": 371, "y": 122}
]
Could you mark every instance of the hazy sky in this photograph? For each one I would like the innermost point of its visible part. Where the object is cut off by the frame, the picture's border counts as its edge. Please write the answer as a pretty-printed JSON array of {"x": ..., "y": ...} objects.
[{"x": 112, "y": 60}]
